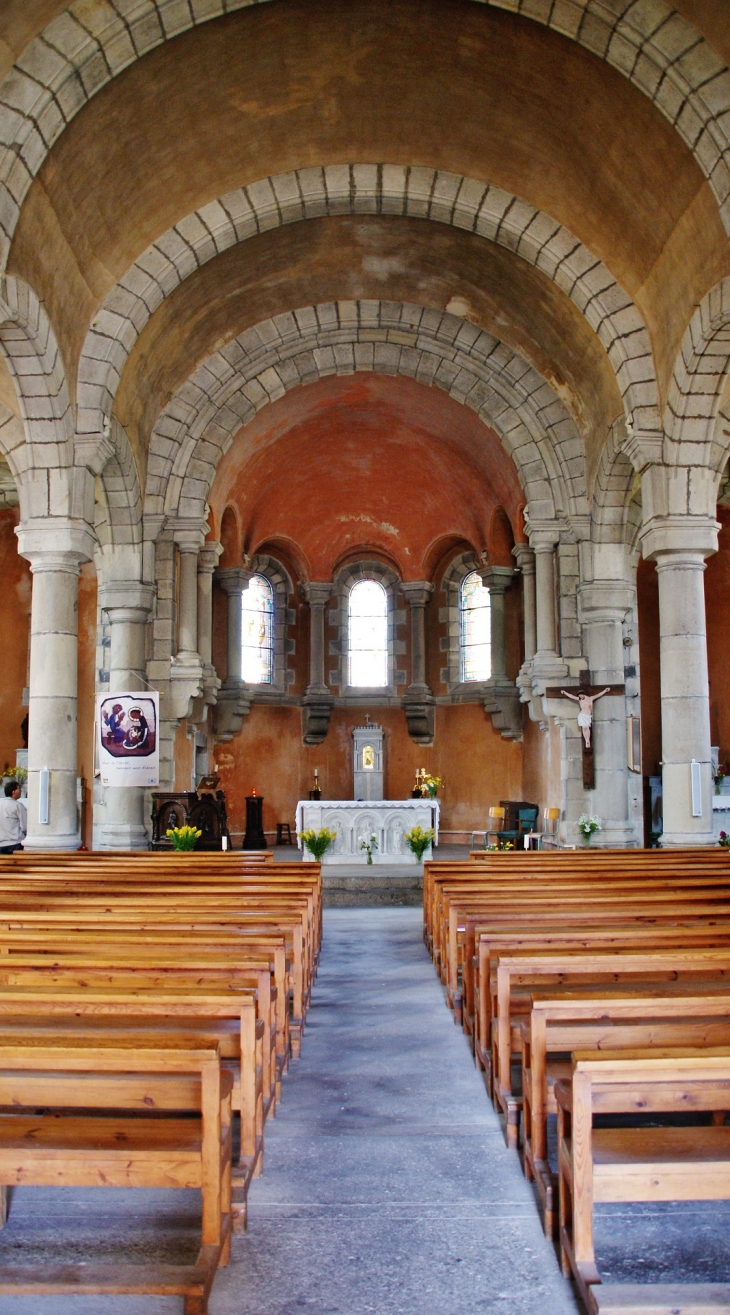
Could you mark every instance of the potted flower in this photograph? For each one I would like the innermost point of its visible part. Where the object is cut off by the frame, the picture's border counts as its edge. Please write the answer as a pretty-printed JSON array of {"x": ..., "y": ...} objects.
[
  {"x": 419, "y": 840},
  {"x": 588, "y": 825},
  {"x": 724, "y": 840},
  {"x": 502, "y": 845},
  {"x": 317, "y": 842},
  {"x": 719, "y": 775},
  {"x": 184, "y": 838},
  {"x": 369, "y": 846}
]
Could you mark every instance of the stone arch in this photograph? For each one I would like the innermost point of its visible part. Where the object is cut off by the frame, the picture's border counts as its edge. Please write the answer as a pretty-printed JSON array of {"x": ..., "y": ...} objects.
[
  {"x": 695, "y": 434},
  {"x": 30, "y": 349},
  {"x": 83, "y": 49},
  {"x": 415, "y": 192},
  {"x": 613, "y": 490},
  {"x": 435, "y": 348}
]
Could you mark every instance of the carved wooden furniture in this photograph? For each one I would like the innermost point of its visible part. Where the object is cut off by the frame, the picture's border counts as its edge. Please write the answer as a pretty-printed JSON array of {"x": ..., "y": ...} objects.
[{"x": 206, "y": 811}]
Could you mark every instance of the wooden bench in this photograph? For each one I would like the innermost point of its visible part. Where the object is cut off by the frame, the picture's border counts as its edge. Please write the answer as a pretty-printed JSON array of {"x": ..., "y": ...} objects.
[
  {"x": 637, "y": 1163},
  {"x": 641, "y": 1017},
  {"x": 94, "y": 1141}
]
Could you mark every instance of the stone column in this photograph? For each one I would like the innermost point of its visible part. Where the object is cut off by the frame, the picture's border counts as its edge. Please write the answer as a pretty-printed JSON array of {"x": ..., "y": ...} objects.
[
  {"x": 233, "y": 703},
  {"x": 418, "y": 700},
  {"x": 318, "y": 699},
  {"x": 55, "y": 554},
  {"x": 188, "y": 608},
  {"x": 685, "y": 696},
  {"x": 545, "y": 598},
  {"x": 127, "y": 605},
  {"x": 497, "y": 580},
  {"x": 207, "y": 564},
  {"x": 525, "y": 558},
  {"x": 233, "y": 581},
  {"x": 603, "y": 606}
]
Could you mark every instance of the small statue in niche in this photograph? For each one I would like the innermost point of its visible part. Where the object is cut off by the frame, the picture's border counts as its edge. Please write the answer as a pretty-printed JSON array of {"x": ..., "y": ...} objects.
[{"x": 368, "y": 758}]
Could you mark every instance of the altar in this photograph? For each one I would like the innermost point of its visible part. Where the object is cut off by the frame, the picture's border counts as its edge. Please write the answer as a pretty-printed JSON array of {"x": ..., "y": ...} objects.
[{"x": 357, "y": 820}]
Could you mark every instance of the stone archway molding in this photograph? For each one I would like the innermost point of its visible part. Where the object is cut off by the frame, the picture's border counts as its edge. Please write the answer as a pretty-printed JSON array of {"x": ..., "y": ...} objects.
[
  {"x": 433, "y": 347},
  {"x": 81, "y": 50},
  {"x": 414, "y": 192}
]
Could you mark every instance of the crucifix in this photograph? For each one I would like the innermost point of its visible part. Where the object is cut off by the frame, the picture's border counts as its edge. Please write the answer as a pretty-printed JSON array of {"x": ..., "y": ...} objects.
[{"x": 585, "y": 696}]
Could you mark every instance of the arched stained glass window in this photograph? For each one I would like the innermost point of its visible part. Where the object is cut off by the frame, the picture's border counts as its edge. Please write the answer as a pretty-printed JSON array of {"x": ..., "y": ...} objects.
[
  {"x": 475, "y": 639},
  {"x": 257, "y": 632},
  {"x": 367, "y": 635}
]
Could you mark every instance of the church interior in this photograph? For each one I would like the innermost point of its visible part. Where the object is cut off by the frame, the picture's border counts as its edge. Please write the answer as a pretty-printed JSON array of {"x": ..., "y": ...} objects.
[{"x": 365, "y": 503}]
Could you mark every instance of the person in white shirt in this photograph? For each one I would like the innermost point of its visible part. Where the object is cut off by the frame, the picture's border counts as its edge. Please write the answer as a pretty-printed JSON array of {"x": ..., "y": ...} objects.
[{"x": 13, "y": 819}]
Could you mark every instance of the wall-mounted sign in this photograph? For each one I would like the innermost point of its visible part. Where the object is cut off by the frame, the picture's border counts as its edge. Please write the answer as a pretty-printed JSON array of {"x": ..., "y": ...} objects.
[{"x": 128, "y": 738}]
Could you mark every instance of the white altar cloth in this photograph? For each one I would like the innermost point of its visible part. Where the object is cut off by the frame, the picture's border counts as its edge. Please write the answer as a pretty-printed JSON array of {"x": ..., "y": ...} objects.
[{"x": 356, "y": 820}]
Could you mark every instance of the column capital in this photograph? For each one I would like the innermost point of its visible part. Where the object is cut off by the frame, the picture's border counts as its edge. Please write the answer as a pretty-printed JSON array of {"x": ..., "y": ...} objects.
[
  {"x": 643, "y": 447},
  {"x": 55, "y": 544},
  {"x": 93, "y": 451},
  {"x": 317, "y": 592},
  {"x": 604, "y": 601},
  {"x": 189, "y": 537},
  {"x": 233, "y": 579},
  {"x": 129, "y": 596},
  {"x": 524, "y": 556},
  {"x": 497, "y": 579},
  {"x": 679, "y": 536},
  {"x": 208, "y": 556},
  {"x": 417, "y": 592}
]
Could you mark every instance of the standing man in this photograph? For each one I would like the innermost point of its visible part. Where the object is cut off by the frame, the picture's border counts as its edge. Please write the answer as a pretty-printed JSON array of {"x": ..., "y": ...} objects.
[{"x": 13, "y": 819}]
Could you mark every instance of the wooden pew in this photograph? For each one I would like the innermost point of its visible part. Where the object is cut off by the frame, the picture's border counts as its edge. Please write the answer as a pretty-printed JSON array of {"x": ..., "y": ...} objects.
[
  {"x": 87, "y": 1144},
  {"x": 640, "y": 1017},
  {"x": 637, "y": 1163}
]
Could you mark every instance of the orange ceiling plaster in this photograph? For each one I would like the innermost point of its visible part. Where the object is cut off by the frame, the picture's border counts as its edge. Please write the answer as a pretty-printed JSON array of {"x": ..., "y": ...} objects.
[{"x": 366, "y": 463}]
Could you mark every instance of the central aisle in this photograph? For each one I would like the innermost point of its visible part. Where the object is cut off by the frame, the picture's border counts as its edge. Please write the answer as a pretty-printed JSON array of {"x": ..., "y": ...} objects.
[{"x": 387, "y": 1184}]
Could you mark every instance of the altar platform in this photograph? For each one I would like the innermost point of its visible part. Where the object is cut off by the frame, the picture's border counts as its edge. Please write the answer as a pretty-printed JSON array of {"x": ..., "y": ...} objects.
[
  {"x": 350, "y": 885},
  {"x": 355, "y": 820}
]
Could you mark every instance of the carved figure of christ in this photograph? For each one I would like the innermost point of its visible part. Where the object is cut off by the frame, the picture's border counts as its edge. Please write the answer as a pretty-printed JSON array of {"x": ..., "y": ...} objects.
[{"x": 585, "y": 714}]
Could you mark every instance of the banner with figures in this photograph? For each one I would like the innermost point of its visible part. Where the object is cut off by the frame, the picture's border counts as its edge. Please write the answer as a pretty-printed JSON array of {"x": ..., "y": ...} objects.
[{"x": 128, "y": 738}]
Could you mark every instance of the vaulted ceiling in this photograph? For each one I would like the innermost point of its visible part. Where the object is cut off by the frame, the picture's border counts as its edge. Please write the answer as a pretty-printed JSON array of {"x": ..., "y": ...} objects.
[{"x": 541, "y": 179}]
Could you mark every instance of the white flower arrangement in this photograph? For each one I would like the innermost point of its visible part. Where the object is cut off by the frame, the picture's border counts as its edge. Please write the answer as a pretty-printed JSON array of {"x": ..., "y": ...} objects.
[{"x": 588, "y": 824}]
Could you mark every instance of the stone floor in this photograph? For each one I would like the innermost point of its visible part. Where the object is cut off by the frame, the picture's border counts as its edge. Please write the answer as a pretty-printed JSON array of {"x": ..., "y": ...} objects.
[{"x": 387, "y": 1185}]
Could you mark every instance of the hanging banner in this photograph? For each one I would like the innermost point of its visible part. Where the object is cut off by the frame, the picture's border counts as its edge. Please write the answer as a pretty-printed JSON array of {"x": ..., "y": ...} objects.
[{"x": 128, "y": 739}]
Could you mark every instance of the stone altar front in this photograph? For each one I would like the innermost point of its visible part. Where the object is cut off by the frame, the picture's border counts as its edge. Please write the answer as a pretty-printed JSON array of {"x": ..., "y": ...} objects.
[{"x": 354, "y": 820}]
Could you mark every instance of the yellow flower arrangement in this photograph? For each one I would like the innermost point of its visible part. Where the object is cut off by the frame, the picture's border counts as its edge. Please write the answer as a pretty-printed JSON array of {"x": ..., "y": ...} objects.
[
  {"x": 419, "y": 840},
  {"x": 317, "y": 842},
  {"x": 184, "y": 838}
]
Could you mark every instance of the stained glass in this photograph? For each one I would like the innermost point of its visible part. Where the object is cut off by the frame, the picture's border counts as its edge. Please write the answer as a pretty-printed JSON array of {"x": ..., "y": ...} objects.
[
  {"x": 475, "y": 629},
  {"x": 257, "y": 632},
  {"x": 367, "y": 635}
]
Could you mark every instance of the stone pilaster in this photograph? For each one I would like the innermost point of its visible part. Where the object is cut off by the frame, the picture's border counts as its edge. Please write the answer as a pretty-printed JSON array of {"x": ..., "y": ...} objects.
[
  {"x": 318, "y": 700},
  {"x": 525, "y": 559},
  {"x": 207, "y": 564},
  {"x": 418, "y": 700},
  {"x": 55, "y": 552},
  {"x": 127, "y": 605},
  {"x": 233, "y": 702}
]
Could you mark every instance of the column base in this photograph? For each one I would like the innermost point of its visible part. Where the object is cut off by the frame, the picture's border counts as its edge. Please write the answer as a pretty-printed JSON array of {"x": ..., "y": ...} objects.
[
  {"x": 119, "y": 835},
  {"x": 687, "y": 840},
  {"x": 615, "y": 835},
  {"x": 52, "y": 842}
]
